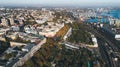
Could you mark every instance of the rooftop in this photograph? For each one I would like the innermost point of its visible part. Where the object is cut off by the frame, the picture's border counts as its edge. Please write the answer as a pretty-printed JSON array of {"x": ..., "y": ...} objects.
[{"x": 28, "y": 46}]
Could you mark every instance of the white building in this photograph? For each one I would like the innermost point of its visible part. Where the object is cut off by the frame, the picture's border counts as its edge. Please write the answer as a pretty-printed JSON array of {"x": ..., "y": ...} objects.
[
  {"x": 50, "y": 30},
  {"x": 94, "y": 41},
  {"x": 30, "y": 29},
  {"x": 68, "y": 34},
  {"x": 117, "y": 36},
  {"x": 28, "y": 47},
  {"x": 15, "y": 28}
]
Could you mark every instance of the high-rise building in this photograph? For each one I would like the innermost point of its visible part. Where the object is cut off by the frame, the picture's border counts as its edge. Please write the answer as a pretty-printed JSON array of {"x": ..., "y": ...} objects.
[
  {"x": 4, "y": 22},
  {"x": 117, "y": 23},
  {"x": 111, "y": 21},
  {"x": 11, "y": 21}
]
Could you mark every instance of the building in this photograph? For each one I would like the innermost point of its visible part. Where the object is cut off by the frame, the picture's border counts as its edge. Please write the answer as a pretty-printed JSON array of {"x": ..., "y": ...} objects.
[
  {"x": 68, "y": 34},
  {"x": 11, "y": 21},
  {"x": 15, "y": 28},
  {"x": 51, "y": 29},
  {"x": 28, "y": 47},
  {"x": 117, "y": 36},
  {"x": 111, "y": 21},
  {"x": 94, "y": 39},
  {"x": 27, "y": 53},
  {"x": 4, "y": 22},
  {"x": 115, "y": 22},
  {"x": 31, "y": 29},
  {"x": 16, "y": 44}
]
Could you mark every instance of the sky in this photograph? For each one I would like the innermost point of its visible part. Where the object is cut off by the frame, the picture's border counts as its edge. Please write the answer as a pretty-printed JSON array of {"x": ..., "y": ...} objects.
[{"x": 60, "y": 2}]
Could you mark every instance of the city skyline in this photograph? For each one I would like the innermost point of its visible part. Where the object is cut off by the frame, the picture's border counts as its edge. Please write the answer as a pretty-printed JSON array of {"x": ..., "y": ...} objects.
[{"x": 60, "y": 3}]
